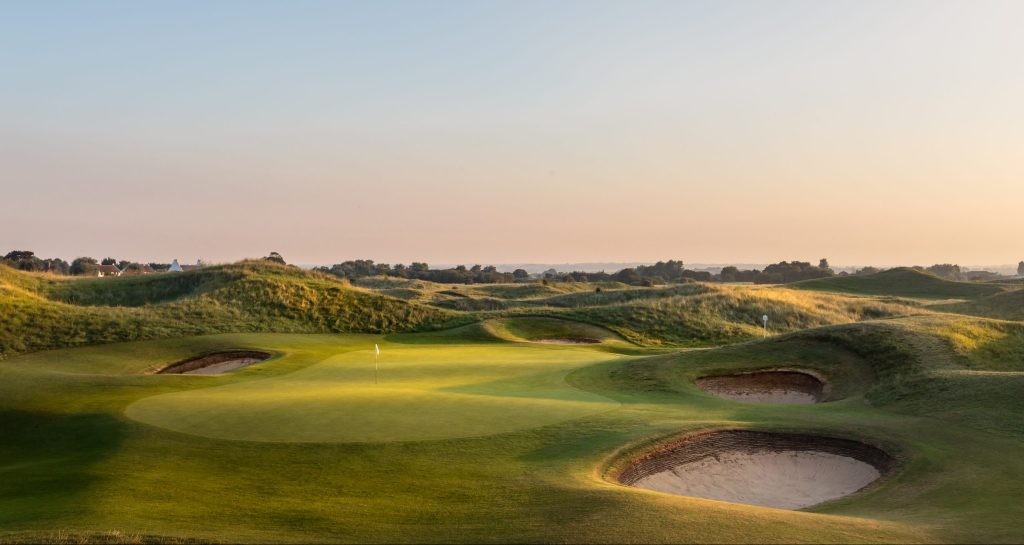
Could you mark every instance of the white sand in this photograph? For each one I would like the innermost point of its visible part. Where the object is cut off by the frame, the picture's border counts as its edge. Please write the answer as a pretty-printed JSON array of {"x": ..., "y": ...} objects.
[
  {"x": 223, "y": 367},
  {"x": 786, "y": 480}
]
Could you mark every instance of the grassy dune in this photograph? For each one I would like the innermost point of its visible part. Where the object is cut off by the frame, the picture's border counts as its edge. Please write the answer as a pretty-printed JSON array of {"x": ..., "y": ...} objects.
[
  {"x": 42, "y": 312},
  {"x": 901, "y": 282},
  {"x": 726, "y": 314},
  {"x": 1006, "y": 305}
]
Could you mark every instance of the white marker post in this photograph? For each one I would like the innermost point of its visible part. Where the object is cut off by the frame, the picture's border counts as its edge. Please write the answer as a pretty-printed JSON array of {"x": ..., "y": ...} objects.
[
  {"x": 765, "y": 320},
  {"x": 376, "y": 367}
]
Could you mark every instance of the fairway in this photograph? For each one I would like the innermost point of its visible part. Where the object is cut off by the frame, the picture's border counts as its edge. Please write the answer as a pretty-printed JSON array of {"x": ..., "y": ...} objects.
[{"x": 420, "y": 393}]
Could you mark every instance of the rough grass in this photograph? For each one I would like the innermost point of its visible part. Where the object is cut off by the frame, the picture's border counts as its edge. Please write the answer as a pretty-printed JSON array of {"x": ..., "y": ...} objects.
[
  {"x": 1008, "y": 305},
  {"x": 733, "y": 313},
  {"x": 901, "y": 282},
  {"x": 41, "y": 312}
]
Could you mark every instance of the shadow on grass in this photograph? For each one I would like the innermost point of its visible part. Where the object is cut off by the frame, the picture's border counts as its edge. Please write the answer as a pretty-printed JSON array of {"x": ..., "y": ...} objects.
[{"x": 47, "y": 460}]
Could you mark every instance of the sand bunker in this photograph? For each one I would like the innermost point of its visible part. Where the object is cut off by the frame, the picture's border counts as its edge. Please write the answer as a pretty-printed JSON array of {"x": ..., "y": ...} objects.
[
  {"x": 581, "y": 340},
  {"x": 786, "y": 471},
  {"x": 777, "y": 387},
  {"x": 216, "y": 363}
]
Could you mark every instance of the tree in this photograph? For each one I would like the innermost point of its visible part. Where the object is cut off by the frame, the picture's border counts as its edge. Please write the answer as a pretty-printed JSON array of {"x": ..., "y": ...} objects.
[
  {"x": 21, "y": 255},
  {"x": 275, "y": 257},
  {"x": 1020, "y": 269},
  {"x": 24, "y": 260},
  {"x": 521, "y": 274},
  {"x": 823, "y": 264},
  {"x": 108, "y": 261},
  {"x": 627, "y": 276},
  {"x": 945, "y": 270},
  {"x": 84, "y": 265}
]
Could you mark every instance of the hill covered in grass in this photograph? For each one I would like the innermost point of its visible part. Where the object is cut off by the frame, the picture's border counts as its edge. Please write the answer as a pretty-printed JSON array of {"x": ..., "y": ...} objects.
[
  {"x": 904, "y": 282},
  {"x": 1006, "y": 305},
  {"x": 43, "y": 312},
  {"x": 724, "y": 314}
]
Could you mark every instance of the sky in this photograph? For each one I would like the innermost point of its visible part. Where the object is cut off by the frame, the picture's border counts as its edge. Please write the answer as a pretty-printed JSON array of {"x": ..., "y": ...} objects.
[{"x": 868, "y": 132}]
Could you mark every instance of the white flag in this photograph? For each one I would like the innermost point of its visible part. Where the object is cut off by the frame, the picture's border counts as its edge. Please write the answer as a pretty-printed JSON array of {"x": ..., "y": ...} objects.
[{"x": 376, "y": 350}]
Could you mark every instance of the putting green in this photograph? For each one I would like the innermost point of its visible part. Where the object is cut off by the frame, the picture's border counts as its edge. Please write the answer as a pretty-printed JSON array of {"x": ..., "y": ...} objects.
[{"x": 423, "y": 393}]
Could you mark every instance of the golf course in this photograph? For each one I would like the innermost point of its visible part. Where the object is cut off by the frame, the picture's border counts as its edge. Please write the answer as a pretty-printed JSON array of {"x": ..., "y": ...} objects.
[{"x": 876, "y": 408}]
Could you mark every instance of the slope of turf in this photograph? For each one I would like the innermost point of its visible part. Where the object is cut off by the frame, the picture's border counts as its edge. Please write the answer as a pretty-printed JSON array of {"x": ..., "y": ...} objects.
[
  {"x": 901, "y": 282},
  {"x": 42, "y": 312},
  {"x": 470, "y": 439},
  {"x": 1007, "y": 305},
  {"x": 723, "y": 314}
]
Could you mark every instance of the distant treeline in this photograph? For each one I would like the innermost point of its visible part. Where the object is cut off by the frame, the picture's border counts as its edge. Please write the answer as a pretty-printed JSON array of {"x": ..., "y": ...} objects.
[
  {"x": 26, "y": 260},
  {"x": 476, "y": 274},
  {"x": 662, "y": 272}
]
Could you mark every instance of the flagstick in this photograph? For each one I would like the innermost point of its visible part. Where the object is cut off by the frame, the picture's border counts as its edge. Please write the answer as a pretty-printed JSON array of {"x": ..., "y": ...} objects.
[{"x": 376, "y": 357}]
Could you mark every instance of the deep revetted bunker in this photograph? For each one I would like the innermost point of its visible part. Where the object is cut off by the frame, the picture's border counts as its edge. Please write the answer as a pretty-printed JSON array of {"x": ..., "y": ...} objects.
[
  {"x": 215, "y": 363},
  {"x": 783, "y": 386},
  {"x": 782, "y": 470}
]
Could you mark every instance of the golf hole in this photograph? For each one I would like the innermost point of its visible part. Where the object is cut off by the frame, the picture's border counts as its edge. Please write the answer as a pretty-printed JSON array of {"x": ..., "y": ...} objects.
[
  {"x": 781, "y": 470},
  {"x": 781, "y": 387},
  {"x": 215, "y": 363}
]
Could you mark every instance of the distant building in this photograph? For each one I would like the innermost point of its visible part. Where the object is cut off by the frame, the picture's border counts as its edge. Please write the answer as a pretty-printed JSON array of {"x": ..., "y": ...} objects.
[
  {"x": 175, "y": 267},
  {"x": 108, "y": 270}
]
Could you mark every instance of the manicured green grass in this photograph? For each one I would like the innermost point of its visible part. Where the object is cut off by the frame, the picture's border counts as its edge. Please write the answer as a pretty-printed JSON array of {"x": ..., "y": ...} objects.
[
  {"x": 472, "y": 439},
  {"x": 420, "y": 393}
]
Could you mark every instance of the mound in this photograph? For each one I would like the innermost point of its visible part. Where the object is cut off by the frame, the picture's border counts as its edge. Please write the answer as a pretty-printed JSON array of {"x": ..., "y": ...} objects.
[
  {"x": 723, "y": 314},
  {"x": 786, "y": 471},
  {"x": 549, "y": 330},
  {"x": 1008, "y": 305},
  {"x": 215, "y": 363},
  {"x": 901, "y": 282},
  {"x": 780, "y": 387},
  {"x": 243, "y": 297}
]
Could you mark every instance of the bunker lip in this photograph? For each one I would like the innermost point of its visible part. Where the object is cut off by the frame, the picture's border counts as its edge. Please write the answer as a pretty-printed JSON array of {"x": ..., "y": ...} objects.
[
  {"x": 568, "y": 340},
  {"x": 215, "y": 363},
  {"x": 773, "y": 386},
  {"x": 770, "y": 469}
]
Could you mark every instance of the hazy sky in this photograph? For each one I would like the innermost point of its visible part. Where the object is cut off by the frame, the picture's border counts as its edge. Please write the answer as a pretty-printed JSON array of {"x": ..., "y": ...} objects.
[{"x": 481, "y": 131}]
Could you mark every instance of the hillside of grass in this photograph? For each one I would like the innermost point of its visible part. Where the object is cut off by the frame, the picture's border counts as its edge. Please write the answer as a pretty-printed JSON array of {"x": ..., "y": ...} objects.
[
  {"x": 724, "y": 314},
  {"x": 1007, "y": 305},
  {"x": 43, "y": 313},
  {"x": 903, "y": 282}
]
